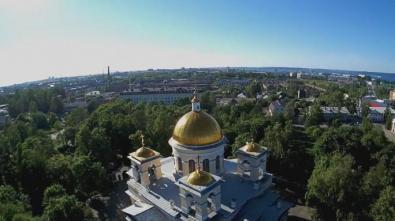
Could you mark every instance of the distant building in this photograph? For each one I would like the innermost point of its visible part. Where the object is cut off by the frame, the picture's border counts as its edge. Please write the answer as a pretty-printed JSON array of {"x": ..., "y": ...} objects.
[
  {"x": 299, "y": 75},
  {"x": 233, "y": 101},
  {"x": 272, "y": 85},
  {"x": 241, "y": 95},
  {"x": 376, "y": 114},
  {"x": 342, "y": 113},
  {"x": 93, "y": 93},
  {"x": 275, "y": 108},
  {"x": 160, "y": 96},
  {"x": 392, "y": 96},
  {"x": 234, "y": 82},
  {"x": 4, "y": 117},
  {"x": 70, "y": 106},
  {"x": 301, "y": 93}
]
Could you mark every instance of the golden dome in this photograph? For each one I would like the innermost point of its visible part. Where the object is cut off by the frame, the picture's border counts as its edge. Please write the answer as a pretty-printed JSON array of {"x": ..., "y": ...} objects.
[
  {"x": 200, "y": 178},
  {"x": 197, "y": 128},
  {"x": 253, "y": 147},
  {"x": 144, "y": 152}
]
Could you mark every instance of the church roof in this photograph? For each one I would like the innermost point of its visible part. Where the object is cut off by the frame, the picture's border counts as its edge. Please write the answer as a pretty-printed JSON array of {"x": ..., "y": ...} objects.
[{"x": 166, "y": 190}]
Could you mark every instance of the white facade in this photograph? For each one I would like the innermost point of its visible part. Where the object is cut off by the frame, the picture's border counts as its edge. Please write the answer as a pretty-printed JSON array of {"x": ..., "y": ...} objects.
[
  {"x": 393, "y": 126},
  {"x": 186, "y": 157}
]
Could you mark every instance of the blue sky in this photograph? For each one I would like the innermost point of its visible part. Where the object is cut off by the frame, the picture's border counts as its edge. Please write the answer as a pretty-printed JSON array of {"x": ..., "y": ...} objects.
[{"x": 41, "y": 38}]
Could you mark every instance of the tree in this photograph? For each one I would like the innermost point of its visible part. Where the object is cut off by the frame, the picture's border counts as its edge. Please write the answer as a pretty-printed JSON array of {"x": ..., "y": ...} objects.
[
  {"x": 332, "y": 187},
  {"x": 94, "y": 103},
  {"x": 76, "y": 117},
  {"x": 53, "y": 192},
  {"x": 364, "y": 110},
  {"x": 40, "y": 120},
  {"x": 289, "y": 110},
  {"x": 64, "y": 208},
  {"x": 384, "y": 208},
  {"x": 388, "y": 118},
  {"x": 240, "y": 141},
  {"x": 56, "y": 105},
  {"x": 315, "y": 116},
  {"x": 253, "y": 89},
  {"x": 373, "y": 182},
  {"x": 25, "y": 217},
  {"x": 277, "y": 139},
  {"x": 32, "y": 157},
  {"x": 208, "y": 101},
  {"x": 90, "y": 176},
  {"x": 12, "y": 203}
]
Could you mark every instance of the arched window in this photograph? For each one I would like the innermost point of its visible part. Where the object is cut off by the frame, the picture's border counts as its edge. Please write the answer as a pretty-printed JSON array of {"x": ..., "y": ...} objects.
[
  {"x": 191, "y": 166},
  {"x": 206, "y": 165},
  {"x": 217, "y": 163},
  {"x": 179, "y": 161}
]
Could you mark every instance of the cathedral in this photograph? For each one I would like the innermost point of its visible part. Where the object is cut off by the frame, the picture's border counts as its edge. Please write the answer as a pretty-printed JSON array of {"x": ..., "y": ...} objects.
[{"x": 197, "y": 182}]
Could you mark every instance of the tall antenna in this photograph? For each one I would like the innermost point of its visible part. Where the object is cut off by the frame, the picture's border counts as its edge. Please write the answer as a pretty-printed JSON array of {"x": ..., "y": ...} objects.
[
  {"x": 194, "y": 82},
  {"x": 130, "y": 84},
  {"x": 108, "y": 79}
]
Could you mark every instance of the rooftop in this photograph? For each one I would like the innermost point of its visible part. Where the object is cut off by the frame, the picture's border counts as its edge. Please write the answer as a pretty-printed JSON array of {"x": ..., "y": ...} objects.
[
  {"x": 165, "y": 192},
  {"x": 330, "y": 110}
]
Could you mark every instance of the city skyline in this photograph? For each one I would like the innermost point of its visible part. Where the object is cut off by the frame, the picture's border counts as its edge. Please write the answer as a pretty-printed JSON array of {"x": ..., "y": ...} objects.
[{"x": 45, "y": 38}]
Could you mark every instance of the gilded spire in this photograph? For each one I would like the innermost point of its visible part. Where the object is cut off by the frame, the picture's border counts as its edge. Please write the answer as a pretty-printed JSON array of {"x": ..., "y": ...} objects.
[
  {"x": 142, "y": 140},
  {"x": 143, "y": 151},
  {"x": 195, "y": 102},
  {"x": 195, "y": 97}
]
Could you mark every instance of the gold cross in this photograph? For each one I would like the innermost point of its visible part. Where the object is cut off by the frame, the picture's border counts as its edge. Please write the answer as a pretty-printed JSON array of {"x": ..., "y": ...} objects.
[{"x": 142, "y": 140}]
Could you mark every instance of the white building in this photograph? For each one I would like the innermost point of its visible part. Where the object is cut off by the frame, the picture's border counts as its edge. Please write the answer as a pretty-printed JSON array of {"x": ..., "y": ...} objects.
[
  {"x": 299, "y": 75},
  {"x": 393, "y": 126},
  {"x": 376, "y": 114},
  {"x": 4, "y": 117},
  {"x": 165, "y": 96},
  {"x": 93, "y": 94},
  {"x": 197, "y": 182}
]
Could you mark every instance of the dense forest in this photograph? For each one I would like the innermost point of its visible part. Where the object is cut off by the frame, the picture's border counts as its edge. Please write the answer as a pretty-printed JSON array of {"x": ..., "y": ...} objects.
[{"x": 51, "y": 165}]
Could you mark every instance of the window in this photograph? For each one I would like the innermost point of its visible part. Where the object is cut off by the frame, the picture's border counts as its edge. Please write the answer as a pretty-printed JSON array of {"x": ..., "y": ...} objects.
[
  {"x": 206, "y": 165},
  {"x": 217, "y": 163},
  {"x": 191, "y": 166},
  {"x": 179, "y": 163}
]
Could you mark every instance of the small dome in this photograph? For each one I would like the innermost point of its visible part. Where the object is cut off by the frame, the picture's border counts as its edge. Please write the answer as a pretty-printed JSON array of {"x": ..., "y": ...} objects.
[
  {"x": 144, "y": 152},
  {"x": 197, "y": 129},
  {"x": 253, "y": 147},
  {"x": 200, "y": 178}
]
